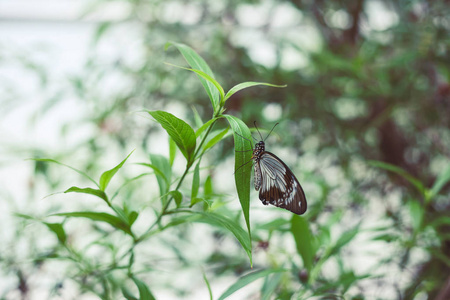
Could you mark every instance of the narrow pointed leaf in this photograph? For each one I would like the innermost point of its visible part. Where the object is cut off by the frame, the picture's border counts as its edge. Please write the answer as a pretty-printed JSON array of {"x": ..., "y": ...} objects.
[
  {"x": 245, "y": 85},
  {"x": 416, "y": 210},
  {"x": 217, "y": 138},
  {"x": 26, "y": 217},
  {"x": 208, "y": 285},
  {"x": 172, "y": 151},
  {"x": 100, "y": 217},
  {"x": 271, "y": 284},
  {"x": 204, "y": 126},
  {"x": 164, "y": 175},
  {"x": 57, "y": 229},
  {"x": 416, "y": 182},
  {"x": 120, "y": 213},
  {"x": 132, "y": 216},
  {"x": 440, "y": 182},
  {"x": 198, "y": 63},
  {"x": 91, "y": 191},
  {"x": 206, "y": 77},
  {"x": 158, "y": 172},
  {"x": 195, "y": 201},
  {"x": 230, "y": 225},
  {"x": 242, "y": 164},
  {"x": 247, "y": 279},
  {"x": 182, "y": 134},
  {"x": 303, "y": 240},
  {"x": 344, "y": 239},
  {"x": 208, "y": 187},
  {"x": 144, "y": 291},
  {"x": 128, "y": 295},
  {"x": 177, "y": 196},
  {"x": 195, "y": 183},
  {"x": 197, "y": 119},
  {"x": 59, "y": 163},
  {"x": 108, "y": 175}
]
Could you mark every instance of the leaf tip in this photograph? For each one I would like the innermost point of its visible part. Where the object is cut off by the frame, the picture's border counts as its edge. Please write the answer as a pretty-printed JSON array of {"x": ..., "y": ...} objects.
[{"x": 167, "y": 45}]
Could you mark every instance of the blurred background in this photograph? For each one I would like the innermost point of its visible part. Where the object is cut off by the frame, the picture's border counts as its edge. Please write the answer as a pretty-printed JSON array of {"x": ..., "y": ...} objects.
[{"x": 366, "y": 81}]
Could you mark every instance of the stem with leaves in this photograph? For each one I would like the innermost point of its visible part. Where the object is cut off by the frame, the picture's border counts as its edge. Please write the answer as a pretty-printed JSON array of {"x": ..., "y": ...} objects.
[{"x": 188, "y": 166}]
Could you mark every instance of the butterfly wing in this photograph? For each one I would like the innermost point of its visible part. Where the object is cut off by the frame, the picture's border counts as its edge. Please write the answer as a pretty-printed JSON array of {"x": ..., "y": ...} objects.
[{"x": 277, "y": 184}]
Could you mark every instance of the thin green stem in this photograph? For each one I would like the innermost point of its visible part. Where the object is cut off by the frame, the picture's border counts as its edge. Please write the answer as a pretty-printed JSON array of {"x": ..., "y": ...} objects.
[
  {"x": 188, "y": 166},
  {"x": 166, "y": 206}
]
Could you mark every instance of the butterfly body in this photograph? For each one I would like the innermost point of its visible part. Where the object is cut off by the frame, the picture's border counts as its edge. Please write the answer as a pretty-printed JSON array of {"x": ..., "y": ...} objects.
[{"x": 276, "y": 183}]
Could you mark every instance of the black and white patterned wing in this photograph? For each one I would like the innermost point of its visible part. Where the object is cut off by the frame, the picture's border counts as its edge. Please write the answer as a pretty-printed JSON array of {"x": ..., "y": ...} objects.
[{"x": 277, "y": 184}]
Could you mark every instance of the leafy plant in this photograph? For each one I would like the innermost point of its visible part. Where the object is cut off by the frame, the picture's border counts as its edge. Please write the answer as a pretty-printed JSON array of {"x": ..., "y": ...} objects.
[
  {"x": 176, "y": 207},
  {"x": 298, "y": 269}
]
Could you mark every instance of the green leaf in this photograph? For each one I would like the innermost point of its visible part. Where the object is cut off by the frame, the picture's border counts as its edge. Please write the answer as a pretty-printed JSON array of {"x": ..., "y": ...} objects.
[
  {"x": 195, "y": 183},
  {"x": 26, "y": 217},
  {"x": 274, "y": 225},
  {"x": 440, "y": 182},
  {"x": 247, "y": 279},
  {"x": 217, "y": 138},
  {"x": 195, "y": 201},
  {"x": 127, "y": 182},
  {"x": 158, "y": 172},
  {"x": 108, "y": 175},
  {"x": 126, "y": 293},
  {"x": 440, "y": 221},
  {"x": 416, "y": 211},
  {"x": 114, "y": 221},
  {"x": 198, "y": 63},
  {"x": 121, "y": 213},
  {"x": 208, "y": 285},
  {"x": 234, "y": 228},
  {"x": 242, "y": 164},
  {"x": 204, "y": 126},
  {"x": 245, "y": 85},
  {"x": 197, "y": 119},
  {"x": 57, "y": 229},
  {"x": 206, "y": 77},
  {"x": 208, "y": 188},
  {"x": 95, "y": 192},
  {"x": 132, "y": 216},
  {"x": 144, "y": 291},
  {"x": 59, "y": 163},
  {"x": 270, "y": 285},
  {"x": 436, "y": 253},
  {"x": 172, "y": 150},
  {"x": 344, "y": 239},
  {"x": 303, "y": 239},
  {"x": 349, "y": 279},
  {"x": 182, "y": 134},
  {"x": 386, "y": 237},
  {"x": 164, "y": 175},
  {"x": 416, "y": 182},
  {"x": 177, "y": 196}
]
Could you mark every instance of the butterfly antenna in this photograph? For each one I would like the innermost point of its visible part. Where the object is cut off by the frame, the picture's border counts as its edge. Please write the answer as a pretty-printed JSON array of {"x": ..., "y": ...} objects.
[
  {"x": 258, "y": 130},
  {"x": 271, "y": 131},
  {"x": 245, "y": 137}
]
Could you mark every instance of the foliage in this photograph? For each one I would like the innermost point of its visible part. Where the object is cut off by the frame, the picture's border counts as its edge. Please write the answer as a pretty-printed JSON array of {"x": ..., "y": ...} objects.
[
  {"x": 184, "y": 137},
  {"x": 364, "y": 118}
]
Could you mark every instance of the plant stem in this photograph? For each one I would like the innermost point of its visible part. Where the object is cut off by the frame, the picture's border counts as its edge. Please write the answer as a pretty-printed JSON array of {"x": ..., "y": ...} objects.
[
  {"x": 166, "y": 206},
  {"x": 188, "y": 166}
]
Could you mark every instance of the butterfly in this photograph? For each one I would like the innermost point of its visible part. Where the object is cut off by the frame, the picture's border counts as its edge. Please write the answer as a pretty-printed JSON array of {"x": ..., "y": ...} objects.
[{"x": 276, "y": 183}]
